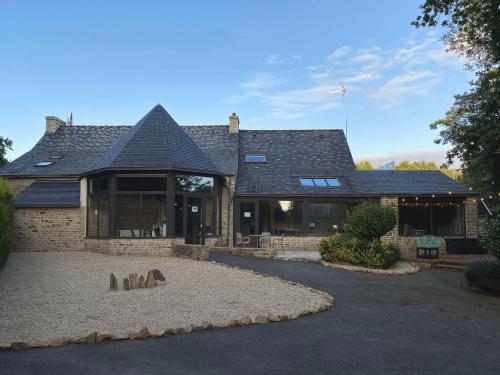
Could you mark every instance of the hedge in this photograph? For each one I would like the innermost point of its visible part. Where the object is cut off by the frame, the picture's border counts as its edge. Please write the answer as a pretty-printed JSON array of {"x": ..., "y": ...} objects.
[
  {"x": 341, "y": 248},
  {"x": 369, "y": 221},
  {"x": 484, "y": 275},
  {"x": 6, "y": 213}
]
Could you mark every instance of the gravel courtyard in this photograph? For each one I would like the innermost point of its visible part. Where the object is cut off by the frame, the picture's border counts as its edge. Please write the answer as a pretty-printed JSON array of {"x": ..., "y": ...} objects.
[{"x": 52, "y": 295}]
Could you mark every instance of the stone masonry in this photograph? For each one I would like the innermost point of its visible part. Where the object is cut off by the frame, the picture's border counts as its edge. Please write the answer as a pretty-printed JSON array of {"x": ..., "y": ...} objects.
[
  {"x": 47, "y": 229},
  {"x": 19, "y": 184}
]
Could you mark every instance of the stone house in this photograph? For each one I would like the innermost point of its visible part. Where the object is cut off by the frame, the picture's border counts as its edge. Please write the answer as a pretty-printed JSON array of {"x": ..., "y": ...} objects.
[{"x": 146, "y": 188}]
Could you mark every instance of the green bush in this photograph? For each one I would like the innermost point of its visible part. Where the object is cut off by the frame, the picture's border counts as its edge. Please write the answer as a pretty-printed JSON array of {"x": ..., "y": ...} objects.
[
  {"x": 484, "y": 275},
  {"x": 370, "y": 221},
  {"x": 341, "y": 248},
  {"x": 491, "y": 240},
  {"x": 6, "y": 213}
]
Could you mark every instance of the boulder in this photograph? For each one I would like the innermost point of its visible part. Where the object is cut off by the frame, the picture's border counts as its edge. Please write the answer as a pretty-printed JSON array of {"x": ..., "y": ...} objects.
[
  {"x": 134, "y": 280},
  {"x": 20, "y": 345},
  {"x": 141, "y": 335},
  {"x": 261, "y": 319},
  {"x": 150, "y": 280},
  {"x": 56, "y": 343},
  {"x": 103, "y": 336},
  {"x": 142, "y": 283},
  {"x": 126, "y": 283},
  {"x": 158, "y": 276},
  {"x": 246, "y": 320},
  {"x": 113, "y": 283}
]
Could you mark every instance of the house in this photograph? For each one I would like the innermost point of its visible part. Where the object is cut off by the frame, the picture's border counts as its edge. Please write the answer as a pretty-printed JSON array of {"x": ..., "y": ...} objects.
[{"x": 146, "y": 188}]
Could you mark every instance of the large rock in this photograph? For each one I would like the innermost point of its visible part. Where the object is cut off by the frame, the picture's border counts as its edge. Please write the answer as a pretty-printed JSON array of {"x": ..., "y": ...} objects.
[
  {"x": 134, "y": 281},
  {"x": 126, "y": 283},
  {"x": 142, "y": 283},
  {"x": 113, "y": 283},
  {"x": 157, "y": 275},
  {"x": 150, "y": 280}
]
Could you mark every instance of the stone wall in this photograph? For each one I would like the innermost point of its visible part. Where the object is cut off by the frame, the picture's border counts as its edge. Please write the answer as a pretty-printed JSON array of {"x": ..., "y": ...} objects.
[
  {"x": 47, "y": 229},
  {"x": 304, "y": 243},
  {"x": 195, "y": 252},
  {"x": 471, "y": 211},
  {"x": 19, "y": 184},
  {"x": 226, "y": 212}
]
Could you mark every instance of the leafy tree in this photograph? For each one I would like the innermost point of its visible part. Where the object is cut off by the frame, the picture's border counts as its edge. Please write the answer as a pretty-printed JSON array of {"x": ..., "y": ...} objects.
[
  {"x": 416, "y": 165},
  {"x": 6, "y": 213},
  {"x": 492, "y": 236},
  {"x": 364, "y": 165},
  {"x": 5, "y": 144},
  {"x": 369, "y": 221},
  {"x": 472, "y": 125}
]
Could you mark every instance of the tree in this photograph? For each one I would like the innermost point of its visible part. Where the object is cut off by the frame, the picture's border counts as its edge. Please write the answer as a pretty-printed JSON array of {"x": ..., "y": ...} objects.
[
  {"x": 472, "y": 125},
  {"x": 416, "y": 165},
  {"x": 369, "y": 221},
  {"x": 6, "y": 214},
  {"x": 364, "y": 165},
  {"x": 5, "y": 144}
]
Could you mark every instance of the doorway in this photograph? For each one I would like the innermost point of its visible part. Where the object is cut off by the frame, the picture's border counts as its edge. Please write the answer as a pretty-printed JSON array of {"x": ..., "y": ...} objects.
[{"x": 195, "y": 232}]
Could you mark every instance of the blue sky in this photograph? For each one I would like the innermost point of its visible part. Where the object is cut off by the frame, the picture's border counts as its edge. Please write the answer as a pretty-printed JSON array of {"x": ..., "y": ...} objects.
[{"x": 275, "y": 63}]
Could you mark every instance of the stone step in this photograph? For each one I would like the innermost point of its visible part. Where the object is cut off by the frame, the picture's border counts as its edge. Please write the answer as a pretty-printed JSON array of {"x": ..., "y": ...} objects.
[{"x": 451, "y": 266}]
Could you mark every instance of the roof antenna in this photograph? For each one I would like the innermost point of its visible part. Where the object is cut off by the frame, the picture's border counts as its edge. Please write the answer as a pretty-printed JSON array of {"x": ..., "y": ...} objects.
[
  {"x": 342, "y": 90},
  {"x": 70, "y": 120}
]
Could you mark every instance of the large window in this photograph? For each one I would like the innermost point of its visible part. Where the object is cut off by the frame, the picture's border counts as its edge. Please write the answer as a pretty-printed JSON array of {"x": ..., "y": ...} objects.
[
  {"x": 438, "y": 216},
  {"x": 98, "y": 208},
  {"x": 141, "y": 215},
  {"x": 327, "y": 218},
  {"x": 281, "y": 217},
  {"x": 194, "y": 184}
]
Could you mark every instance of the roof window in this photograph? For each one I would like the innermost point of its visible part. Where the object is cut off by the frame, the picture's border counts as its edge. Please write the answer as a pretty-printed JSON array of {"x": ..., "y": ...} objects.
[
  {"x": 44, "y": 163},
  {"x": 255, "y": 158},
  {"x": 320, "y": 182}
]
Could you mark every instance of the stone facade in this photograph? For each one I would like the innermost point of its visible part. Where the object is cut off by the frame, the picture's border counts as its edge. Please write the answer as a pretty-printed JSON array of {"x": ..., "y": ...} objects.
[
  {"x": 471, "y": 224},
  {"x": 19, "y": 184},
  {"x": 47, "y": 229},
  {"x": 226, "y": 212}
]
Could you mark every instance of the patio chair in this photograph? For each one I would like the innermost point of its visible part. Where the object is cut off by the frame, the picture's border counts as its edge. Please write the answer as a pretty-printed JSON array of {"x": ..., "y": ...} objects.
[
  {"x": 279, "y": 240},
  {"x": 242, "y": 241}
]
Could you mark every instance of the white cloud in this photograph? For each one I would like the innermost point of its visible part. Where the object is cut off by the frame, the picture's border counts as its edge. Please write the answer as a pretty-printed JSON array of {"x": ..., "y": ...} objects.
[
  {"x": 339, "y": 52},
  {"x": 262, "y": 81},
  {"x": 273, "y": 59}
]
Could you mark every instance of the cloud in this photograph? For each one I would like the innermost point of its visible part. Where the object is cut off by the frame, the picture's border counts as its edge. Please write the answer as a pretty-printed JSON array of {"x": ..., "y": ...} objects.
[
  {"x": 262, "y": 81},
  {"x": 275, "y": 59},
  {"x": 339, "y": 52}
]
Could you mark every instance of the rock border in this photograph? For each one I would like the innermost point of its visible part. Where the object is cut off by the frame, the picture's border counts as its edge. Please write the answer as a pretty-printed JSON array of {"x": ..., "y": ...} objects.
[
  {"x": 414, "y": 268},
  {"x": 145, "y": 332}
]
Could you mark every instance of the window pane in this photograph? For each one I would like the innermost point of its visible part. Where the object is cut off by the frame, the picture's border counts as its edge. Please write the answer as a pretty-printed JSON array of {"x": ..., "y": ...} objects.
[
  {"x": 255, "y": 158},
  {"x": 103, "y": 215},
  {"x": 306, "y": 182},
  {"x": 128, "y": 223},
  {"x": 209, "y": 218},
  {"x": 449, "y": 221},
  {"x": 154, "y": 218},
  {"x": 326, "y": 218},
  {"x": 281, "y": 217},
  {"x": 194, "y": 184},
  {"x": 320, "y": 182},
  {"x": 179, "y": 215},
  {"x": 414, "y": 220},
  {"x": 332, "y": 182},
  {"x": 98, "y": 184},
  {"x": 141, "y": 183},
  {"x": 92, "y": 215}
]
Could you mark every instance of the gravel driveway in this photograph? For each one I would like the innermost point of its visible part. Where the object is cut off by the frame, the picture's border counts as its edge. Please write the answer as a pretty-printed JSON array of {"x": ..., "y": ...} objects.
[{"x": 52, "y": 295}]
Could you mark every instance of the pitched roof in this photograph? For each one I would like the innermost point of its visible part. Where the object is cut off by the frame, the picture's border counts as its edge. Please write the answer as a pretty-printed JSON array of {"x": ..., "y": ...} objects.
[
  {"x": 155, "y": 142},
  {"x": 50, "y": 194},
  {"x": 292, "y": 154}
]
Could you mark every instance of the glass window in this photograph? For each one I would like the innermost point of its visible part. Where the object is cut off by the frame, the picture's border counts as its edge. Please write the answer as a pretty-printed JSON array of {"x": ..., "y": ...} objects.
[
  {"x": 414, "y": 220},
  {"x": 209, "y": 216},
  {"x": 307, "y": 182},
  {"x": 194, "y": 184},
  {"x": 332, "y": 182},
  {"x": 449, "y": 220},
  {"x": 98, "y": 185},
  {"x": 154, "y": 218},
  {"x": 128, "y": 216},
  {"x": 327, "y": 218},
  {"x": 320, "y": 182},
  {"x": 179, "y": 215},
  {"x": 281, "y": 217},
  {"x": 247, "y": 218},
  {"x": 44, "y": 163},
  {"x": 92, "y": 216},
  {"x": 141, "y": 215},
  {"x": 146, "y": 183},
  {"x": 103, "y": 230},
  {"x": 98, "y": 215},
  {"x": 255, "y": 158}
]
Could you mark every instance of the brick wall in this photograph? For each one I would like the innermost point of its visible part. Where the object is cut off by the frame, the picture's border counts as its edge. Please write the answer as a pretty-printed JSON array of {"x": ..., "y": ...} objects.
[
  {"x": 471, "y": 225},
  {"x": 19, "y": 184},
  {"x": 47, "y": 229}
]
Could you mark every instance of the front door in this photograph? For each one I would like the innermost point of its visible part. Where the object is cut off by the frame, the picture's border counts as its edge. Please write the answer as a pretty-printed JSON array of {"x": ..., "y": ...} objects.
[{"x": 195, "y": 233}]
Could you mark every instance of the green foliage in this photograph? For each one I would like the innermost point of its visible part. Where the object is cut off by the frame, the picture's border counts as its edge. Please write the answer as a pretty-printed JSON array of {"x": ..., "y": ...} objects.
[
  {"x": 5, "y": 144},
  {"x": 416, "y": 165},
  {"x": 6, "y": 213},
  {"x": 364, "y": 165},
  {"x": 370, "y": 221},
  {"x": 484, "y": 275},
  {"x": 491, "y": 240},
  {"x": 341, "y": 248}
]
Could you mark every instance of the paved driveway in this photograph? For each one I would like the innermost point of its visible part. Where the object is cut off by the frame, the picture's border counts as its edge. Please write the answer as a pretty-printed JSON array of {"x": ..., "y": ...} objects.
[{"x": 425, "y": 323}]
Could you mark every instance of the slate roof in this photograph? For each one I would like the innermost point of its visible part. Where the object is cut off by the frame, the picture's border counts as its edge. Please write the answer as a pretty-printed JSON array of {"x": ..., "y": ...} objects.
[
  {"x": 50, "y": 194},
  {"x": 155, "y": 142},
  {"x": 292, "y": 154}
]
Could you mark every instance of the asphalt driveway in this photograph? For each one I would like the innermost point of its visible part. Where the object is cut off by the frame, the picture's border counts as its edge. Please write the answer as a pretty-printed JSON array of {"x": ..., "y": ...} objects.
[{"x": 430, "y": 322}]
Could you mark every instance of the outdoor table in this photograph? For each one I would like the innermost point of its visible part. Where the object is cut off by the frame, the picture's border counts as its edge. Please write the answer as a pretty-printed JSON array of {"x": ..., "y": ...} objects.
[{"x": 255, "y": 240}]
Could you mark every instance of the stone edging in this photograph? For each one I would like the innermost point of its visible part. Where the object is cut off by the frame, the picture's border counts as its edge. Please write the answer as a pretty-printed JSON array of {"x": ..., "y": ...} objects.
[
  {"x": 395, "y": 271},
  {"x": 145, "y": 332}
]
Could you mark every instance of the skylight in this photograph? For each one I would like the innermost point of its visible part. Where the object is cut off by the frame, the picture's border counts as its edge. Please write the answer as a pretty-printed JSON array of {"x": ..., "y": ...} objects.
[
  {"x": 255, "y": 158},
  {"x": 321, "y": 182},
  {"x": 43, "y": 163}
]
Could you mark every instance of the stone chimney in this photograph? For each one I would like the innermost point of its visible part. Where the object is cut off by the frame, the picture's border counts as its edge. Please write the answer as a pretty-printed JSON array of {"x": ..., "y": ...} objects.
[
  {"x": 52, "y": 123},
  {"x": 234, "y": 124}
]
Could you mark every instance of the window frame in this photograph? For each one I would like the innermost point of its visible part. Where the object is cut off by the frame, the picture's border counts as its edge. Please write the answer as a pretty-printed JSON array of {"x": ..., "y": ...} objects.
[{"x": 248, "y": 158}]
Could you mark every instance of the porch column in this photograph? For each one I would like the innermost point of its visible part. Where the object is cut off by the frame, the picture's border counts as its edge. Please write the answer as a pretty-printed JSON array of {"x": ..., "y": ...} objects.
[{"x": 471, "y": 228}]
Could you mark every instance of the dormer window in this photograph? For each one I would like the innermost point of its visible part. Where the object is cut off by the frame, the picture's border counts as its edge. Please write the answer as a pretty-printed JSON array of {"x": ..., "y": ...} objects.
[
  {"x": 320, "y": 182},
  {"x": 45, "y": 163},
  {"x": 255, "y": 158}
]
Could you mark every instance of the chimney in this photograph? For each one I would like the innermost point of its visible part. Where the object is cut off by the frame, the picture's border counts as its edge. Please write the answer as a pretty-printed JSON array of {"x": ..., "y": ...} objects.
[
  {"x": 234, "y": 124},
  {"x": 52, "y": 123}
]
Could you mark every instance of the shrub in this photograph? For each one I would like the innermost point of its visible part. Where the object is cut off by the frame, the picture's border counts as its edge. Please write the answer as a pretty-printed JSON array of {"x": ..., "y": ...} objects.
[
  {"x": 341, "y": 248},
  {"x": 484, "y": 275},
  {"x": 491, "y": 238},
  {"x": 6, "y": 212},
  {"x": 370, "y": 221}
]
